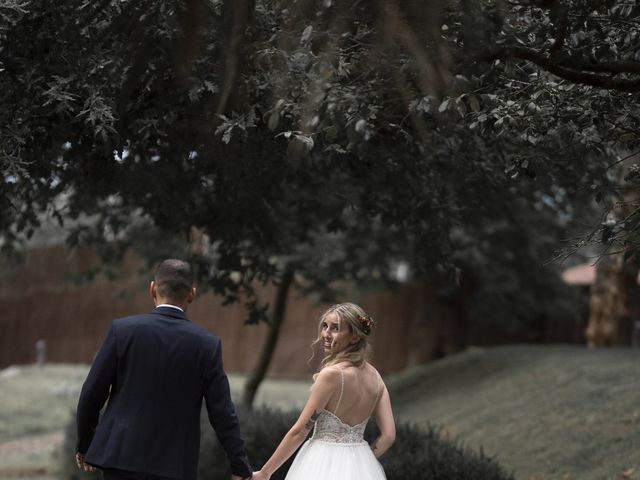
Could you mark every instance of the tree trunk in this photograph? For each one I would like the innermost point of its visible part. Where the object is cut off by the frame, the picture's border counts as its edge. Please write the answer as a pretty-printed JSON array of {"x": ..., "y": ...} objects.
[
  {"x": 608, "y": 311},
  {"x": 255, "y": 378},
  {"x": 238, "y": 16},
  {"x": 613, "y": 303}
]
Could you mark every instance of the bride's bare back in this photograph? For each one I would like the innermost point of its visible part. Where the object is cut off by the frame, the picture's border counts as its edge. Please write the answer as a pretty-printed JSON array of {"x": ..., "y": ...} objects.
[{"x": 355, "y": 399}]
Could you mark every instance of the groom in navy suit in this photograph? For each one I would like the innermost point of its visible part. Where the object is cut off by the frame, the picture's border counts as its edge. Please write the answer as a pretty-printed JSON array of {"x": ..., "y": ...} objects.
[{"x": 155, "y": 369}]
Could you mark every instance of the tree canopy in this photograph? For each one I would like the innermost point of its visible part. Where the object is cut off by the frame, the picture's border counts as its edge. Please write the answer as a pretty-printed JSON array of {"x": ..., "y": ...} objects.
[{"x": 344, "y": 137}]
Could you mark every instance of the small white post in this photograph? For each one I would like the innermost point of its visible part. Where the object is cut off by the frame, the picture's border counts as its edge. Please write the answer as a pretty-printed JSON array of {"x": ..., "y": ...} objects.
[{"x": 41, "y": 352}]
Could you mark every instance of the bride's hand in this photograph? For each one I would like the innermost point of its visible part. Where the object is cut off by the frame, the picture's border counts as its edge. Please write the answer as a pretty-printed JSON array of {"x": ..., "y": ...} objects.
[{"x": 259, "y": 475}]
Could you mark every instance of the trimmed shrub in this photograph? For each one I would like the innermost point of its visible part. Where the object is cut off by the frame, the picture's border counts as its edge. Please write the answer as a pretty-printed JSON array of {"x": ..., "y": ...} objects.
[
  {"x": 66, "y": 454},
  {"x": 417, "y": 453},
  {"x": 262, "y": 430},
  {"x": 423, "y": 454}
]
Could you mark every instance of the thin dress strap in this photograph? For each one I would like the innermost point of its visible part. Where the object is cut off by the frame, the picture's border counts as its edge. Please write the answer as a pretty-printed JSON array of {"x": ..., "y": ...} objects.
[
  {"x": 335, "y": 412},
  {"x": 380, "y": 388}
]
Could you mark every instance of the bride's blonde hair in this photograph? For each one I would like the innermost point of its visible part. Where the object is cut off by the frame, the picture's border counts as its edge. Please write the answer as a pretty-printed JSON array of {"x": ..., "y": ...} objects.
[{"x": 354, "y": 318}]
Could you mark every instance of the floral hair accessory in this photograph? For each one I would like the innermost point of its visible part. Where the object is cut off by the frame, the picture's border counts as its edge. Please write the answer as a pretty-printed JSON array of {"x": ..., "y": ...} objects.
[{"x": 366, "y": 323}]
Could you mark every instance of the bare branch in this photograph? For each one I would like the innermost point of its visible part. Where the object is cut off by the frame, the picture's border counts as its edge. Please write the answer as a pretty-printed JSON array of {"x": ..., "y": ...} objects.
[
  {"x": 633, "y": 154},
  {"x": 603, "y": 67},
  {"x": 572, "y": 73}
]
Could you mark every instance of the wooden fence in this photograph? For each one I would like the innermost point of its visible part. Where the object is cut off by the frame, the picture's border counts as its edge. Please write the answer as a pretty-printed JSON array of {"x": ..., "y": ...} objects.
[{"x": 38, "y": 300}]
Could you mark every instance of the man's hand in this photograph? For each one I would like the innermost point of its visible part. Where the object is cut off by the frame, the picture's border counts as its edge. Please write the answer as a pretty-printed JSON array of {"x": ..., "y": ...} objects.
[{"x": 85, "y": 467}]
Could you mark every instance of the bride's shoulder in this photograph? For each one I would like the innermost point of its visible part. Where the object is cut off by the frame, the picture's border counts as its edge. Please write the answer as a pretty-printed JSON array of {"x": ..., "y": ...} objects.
[
  {"x": 329, "y": 374},
  {"x": 326, "y": 379},
  {"x": 330, "y": 371},
  {"x": 372, "y": 369}
]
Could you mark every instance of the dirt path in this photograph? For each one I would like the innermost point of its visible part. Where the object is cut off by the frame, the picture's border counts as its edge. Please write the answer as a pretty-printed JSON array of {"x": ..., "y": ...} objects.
[
  {"x": 33, "y": 444},
  {"x": 29, "y": 458}
]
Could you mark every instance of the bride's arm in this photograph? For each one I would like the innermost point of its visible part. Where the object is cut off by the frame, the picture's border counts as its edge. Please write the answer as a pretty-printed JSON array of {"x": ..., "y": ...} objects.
[
  {"x": 325, "y": 384},
  {"x": 384, "y": 418}
]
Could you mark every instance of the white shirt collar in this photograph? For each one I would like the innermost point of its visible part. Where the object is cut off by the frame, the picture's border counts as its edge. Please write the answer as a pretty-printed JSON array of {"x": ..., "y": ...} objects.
[{"x": 170, "y": 306}]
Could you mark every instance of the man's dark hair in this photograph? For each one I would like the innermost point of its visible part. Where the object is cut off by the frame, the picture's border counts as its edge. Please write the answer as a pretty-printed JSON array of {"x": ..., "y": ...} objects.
[{"x": 174, "y": 279}]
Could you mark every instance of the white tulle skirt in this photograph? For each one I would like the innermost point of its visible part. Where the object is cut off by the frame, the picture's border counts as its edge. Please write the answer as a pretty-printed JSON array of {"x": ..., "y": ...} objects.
[{"x": 322, "y": 460}]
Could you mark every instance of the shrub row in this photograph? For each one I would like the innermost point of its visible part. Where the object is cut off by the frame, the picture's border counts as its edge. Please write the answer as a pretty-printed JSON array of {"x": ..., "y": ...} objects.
[{"x": 418, "y": 453}]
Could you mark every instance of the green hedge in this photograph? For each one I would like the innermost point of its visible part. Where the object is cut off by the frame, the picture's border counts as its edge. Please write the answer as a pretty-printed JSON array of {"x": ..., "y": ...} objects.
[
  {"x": 66, "y": 455},
  {"x": 418, "y": 453}
]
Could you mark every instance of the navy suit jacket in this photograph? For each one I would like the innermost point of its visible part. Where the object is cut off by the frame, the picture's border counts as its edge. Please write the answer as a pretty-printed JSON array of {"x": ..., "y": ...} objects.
[{"x": 155, "y": 369}]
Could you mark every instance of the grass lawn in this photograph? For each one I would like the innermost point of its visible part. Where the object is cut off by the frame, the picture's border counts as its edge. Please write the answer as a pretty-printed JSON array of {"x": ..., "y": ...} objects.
[
  {"x": 545, "y": 412},
  {"x": 34, "y": 403},
  {"x": 37, "y": 400}
]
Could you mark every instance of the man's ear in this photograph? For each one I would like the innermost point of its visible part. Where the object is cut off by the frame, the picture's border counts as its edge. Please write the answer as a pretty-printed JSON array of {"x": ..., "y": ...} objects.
[
  {"x": 192, "y": 295},
  {"x": 153, "y": 291}
]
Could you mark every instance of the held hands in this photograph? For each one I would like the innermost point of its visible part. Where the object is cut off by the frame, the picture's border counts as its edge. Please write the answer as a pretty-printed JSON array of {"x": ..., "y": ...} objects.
[
  {"x": 259, "y": 475},
  {"x": 82, "y": 465}
]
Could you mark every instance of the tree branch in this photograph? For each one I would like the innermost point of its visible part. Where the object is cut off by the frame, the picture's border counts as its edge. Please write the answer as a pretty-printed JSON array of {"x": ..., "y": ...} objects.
[
  {"x": 559, "y": 12},
  {"x": 604, "y": 67},
  {"x": 575, "y": 71}
]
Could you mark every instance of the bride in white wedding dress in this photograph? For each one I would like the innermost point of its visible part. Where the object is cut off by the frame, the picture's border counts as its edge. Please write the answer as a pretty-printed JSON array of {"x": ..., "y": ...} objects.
[{"x": 345, "y": 394}]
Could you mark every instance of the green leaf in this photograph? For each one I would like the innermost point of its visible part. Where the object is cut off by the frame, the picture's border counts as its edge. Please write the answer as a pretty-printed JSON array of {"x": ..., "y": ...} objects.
[
  {"x": 474, "y": 102},
  {"x": 306, "y": 34},
  {"x": 226, "y": 136},
  {"x": 272, "y": 123},
  {"x": 306, "y": 140}
]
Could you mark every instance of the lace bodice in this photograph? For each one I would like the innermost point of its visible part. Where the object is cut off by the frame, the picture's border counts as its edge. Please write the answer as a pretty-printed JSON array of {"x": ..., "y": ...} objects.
[{"x": 330, "y": 428}]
